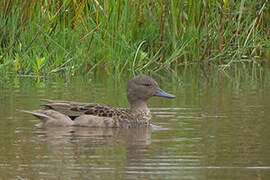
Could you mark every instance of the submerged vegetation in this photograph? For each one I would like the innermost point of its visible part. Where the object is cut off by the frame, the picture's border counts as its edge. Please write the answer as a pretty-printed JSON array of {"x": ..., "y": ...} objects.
[{"x": 41, "y": 37}]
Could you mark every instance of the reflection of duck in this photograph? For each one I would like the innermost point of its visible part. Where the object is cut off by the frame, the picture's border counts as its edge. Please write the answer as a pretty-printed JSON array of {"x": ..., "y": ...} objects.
[
  {"x": 139, "y": 90},
  {"x": 56, "y": 136}
]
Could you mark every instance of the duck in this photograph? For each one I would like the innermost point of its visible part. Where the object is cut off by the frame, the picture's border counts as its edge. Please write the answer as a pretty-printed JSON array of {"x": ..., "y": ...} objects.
[{"x": 66, "y": 113}]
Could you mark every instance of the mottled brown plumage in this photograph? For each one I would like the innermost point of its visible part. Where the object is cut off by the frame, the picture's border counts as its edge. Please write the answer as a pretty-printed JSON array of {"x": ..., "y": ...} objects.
[{"x": 139, "y": 90}]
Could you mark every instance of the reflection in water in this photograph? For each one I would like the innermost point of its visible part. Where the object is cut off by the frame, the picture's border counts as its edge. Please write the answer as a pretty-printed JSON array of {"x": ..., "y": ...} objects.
[
  {"x": 208, "y": 133},
  {"x": 57, "y": 136},
  {"x": 72, "y": 144}
]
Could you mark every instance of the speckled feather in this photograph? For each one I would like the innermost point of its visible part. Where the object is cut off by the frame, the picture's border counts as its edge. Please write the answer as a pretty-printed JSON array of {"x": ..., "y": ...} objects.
[{"x": 122, "y": 117}]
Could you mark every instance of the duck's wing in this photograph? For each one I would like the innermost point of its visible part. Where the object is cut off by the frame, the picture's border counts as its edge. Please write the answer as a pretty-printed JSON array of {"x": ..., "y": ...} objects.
[{"x": 74, "y": 109}]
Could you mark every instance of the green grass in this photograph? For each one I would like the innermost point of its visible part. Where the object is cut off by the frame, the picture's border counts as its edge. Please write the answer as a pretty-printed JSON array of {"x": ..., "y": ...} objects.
[{"x": 72, "y": 37}]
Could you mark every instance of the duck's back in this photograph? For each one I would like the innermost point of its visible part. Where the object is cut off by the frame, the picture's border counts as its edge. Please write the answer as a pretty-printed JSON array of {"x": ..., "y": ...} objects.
[{"x": 74, "y": 109}]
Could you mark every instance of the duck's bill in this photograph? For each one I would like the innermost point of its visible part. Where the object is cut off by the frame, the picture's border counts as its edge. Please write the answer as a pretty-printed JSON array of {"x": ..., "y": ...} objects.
[{"x": 162, "y": 93}]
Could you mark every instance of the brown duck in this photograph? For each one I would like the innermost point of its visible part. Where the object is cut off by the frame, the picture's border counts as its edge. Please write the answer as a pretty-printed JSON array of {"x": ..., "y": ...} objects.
[{"x": 139, "y": 90}]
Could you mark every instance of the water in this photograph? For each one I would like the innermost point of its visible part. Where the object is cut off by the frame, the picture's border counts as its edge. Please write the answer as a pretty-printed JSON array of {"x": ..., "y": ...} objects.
[{"x": 207, "y": 132}]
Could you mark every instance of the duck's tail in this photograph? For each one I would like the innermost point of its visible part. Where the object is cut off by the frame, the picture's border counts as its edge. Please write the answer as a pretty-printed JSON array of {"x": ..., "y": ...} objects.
[
  {"x": 51, "y": 117},
  {"x": 38, "y": 114}
]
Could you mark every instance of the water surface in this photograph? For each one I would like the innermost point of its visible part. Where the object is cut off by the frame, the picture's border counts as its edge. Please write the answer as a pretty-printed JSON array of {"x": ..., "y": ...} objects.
[{"x": 207, "y": 132}]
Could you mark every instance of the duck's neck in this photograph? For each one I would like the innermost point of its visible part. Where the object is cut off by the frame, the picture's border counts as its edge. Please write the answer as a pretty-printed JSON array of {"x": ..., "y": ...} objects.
[
  {"x": 141, "y": 112},
  {"x": 139, "y": 106}
]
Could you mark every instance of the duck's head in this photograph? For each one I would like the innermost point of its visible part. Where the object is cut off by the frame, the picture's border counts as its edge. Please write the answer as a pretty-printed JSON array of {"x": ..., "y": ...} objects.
[{"x": 141, "y": 88}]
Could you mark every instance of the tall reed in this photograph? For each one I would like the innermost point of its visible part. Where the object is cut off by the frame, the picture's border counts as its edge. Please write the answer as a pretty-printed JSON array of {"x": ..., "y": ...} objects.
[{"x": 43, "y": 37}]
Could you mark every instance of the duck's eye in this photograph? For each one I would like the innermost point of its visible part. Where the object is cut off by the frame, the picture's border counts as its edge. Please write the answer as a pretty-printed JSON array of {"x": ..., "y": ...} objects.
[{"x": 147, "y": 84}]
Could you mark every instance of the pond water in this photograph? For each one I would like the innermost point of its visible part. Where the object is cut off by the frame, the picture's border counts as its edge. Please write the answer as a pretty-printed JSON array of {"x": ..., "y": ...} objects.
[{"x": 206, "y": 132}]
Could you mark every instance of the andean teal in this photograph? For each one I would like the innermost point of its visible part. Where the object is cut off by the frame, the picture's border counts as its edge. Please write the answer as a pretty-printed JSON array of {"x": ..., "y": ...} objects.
[{"x": 139, "y": 90}]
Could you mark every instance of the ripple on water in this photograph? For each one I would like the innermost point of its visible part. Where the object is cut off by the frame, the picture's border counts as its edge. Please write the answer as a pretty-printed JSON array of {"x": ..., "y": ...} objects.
[{"x": 210, "y": 135}]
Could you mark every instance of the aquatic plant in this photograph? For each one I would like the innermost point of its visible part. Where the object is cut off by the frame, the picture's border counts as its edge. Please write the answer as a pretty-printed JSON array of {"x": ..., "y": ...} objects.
[{"x": 78, "y": 37}]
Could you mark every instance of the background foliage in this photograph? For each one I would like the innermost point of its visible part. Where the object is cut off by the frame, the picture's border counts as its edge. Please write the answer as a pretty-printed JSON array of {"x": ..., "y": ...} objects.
[{"x": 41, "y": 37}]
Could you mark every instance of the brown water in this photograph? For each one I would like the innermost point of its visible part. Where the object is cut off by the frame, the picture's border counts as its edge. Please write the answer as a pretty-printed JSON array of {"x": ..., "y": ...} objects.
[{"x": 207, "y": 132}]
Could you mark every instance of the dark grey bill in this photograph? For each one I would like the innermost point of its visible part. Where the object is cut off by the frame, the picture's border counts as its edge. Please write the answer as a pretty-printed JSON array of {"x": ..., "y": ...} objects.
[{"x": 162, "y": 93}]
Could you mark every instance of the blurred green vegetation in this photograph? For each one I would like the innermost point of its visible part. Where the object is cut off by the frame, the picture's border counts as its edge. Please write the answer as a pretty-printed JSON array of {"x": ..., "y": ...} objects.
[{"x": 43, "y": 37}]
